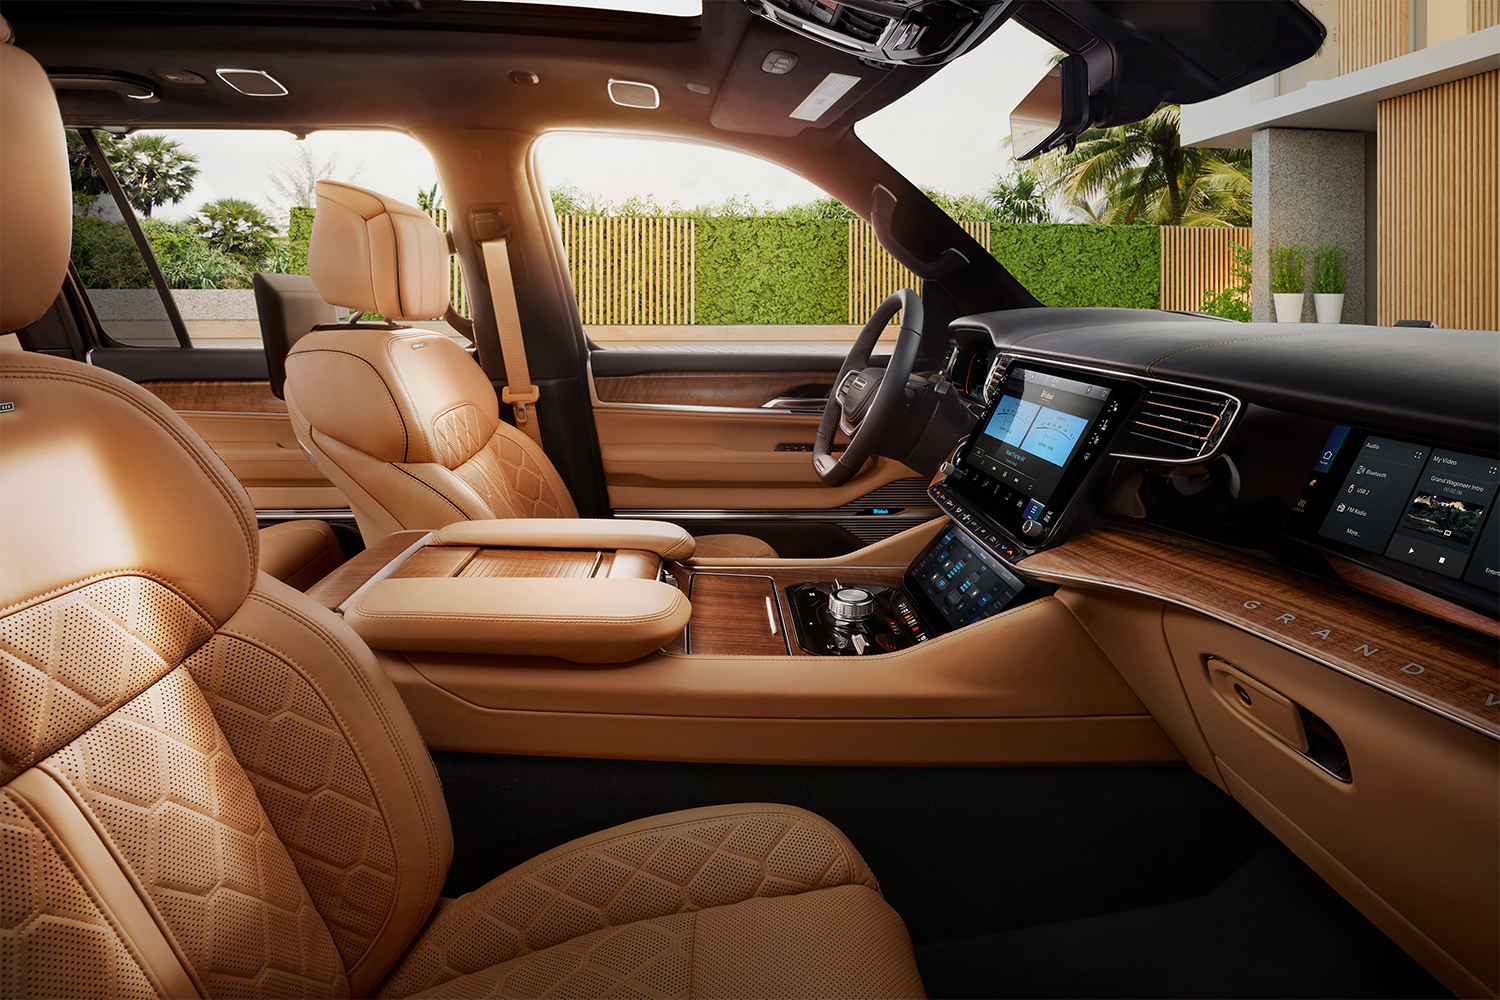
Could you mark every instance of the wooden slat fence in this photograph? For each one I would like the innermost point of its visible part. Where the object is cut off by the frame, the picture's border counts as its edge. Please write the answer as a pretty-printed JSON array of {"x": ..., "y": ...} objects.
[
  {"x": 1371, "y": 31},
  {"x": 1438, "y": 190},
  {"x": 874, "y": 274},
  {"x": 1197, "y": 259},
  {"x": 636, "y": 271},
  {"x": 439, "y": 217},
  {"x": 1483, "y": 14}
]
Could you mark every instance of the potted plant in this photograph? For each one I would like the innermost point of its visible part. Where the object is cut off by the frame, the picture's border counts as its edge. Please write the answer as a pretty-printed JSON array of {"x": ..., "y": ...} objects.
[
  {"x": 1288, "y": 282},
  {"x": 1330, "y": 281}
]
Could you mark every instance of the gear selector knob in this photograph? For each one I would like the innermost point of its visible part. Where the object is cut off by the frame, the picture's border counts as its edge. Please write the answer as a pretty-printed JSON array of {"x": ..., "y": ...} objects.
[{"x": 848, "y": 605}]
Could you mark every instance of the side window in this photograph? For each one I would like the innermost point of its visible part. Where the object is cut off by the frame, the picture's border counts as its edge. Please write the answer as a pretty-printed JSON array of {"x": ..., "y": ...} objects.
[
  {"x": 673, "y": 246},
  {"x": 216, "y": 206}
]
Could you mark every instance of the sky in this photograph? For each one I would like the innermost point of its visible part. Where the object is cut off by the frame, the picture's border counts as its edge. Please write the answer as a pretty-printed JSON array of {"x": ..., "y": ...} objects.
[{"x": 947, "y": 134}]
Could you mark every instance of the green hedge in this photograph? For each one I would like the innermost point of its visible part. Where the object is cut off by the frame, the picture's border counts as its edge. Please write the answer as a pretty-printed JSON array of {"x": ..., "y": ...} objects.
[
  {"x": 1073, "y": 265},
  {"x": 299, "y": 235},
  {"x": 771, "y": 271}
]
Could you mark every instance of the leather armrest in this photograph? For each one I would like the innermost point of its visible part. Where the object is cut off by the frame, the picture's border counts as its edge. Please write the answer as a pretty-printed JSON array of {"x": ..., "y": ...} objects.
[
  {"x": 666, "y": 540},
  {"x": 586, "y": 621}
]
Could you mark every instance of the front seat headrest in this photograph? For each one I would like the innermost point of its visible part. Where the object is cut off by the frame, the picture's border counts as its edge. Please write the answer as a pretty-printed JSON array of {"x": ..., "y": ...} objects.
[
  {"x": 374, "y": 254},
  {"x": 36, "y": 201}
]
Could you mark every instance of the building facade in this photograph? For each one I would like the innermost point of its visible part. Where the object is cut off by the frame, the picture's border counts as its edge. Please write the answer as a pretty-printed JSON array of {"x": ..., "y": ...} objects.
[{"x": 1387, "y": 144}]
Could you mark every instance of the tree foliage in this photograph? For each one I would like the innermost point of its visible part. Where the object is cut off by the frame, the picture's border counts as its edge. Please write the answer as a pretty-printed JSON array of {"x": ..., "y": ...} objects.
[
  {"x": 1233, "y": 302},
  {"x": 152, "y": 169},
  {"x": 294, "y": 178},
  {"x": 1021, "y": 198},
  {"x": 1070, "y": 265},
  {"x": 239, "y": 229},
  {"x": 1141, "y": 173}
]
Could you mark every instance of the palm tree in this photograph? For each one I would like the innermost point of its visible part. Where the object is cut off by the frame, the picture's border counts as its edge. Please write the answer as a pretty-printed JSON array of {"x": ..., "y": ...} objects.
[
  {"x": 238, "y": 228},
  {"x": 153, "y": 170},
  {"x": 1019, "y": 199},
  {"x": 1143, "y": 174}
]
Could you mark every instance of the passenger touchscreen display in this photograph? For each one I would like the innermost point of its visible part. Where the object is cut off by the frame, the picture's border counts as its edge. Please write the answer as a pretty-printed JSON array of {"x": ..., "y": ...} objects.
[
  {"x": 1427, "y": 507},
  {"x": 1040, "y": 423}
]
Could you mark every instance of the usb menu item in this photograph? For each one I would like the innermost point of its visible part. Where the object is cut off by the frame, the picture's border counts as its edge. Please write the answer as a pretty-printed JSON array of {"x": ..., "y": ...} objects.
[{"x": 1373, "y": 496}]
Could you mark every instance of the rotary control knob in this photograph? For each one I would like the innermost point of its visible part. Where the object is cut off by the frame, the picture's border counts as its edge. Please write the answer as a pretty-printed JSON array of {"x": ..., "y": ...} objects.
[
  {"x": 1032, "y": 529},
  {"x": 848, "y": 605}
]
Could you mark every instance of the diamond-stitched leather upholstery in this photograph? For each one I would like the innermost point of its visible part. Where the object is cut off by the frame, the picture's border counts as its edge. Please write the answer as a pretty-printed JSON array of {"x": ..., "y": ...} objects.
[
  {"x": 54, "y": 939},
  {"x": 310, "y": 782},
  {"x": 671, "y": 864}
]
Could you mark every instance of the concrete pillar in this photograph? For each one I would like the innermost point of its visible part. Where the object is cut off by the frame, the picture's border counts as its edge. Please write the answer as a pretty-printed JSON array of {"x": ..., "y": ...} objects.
[{"x": 1309, "y": 189}]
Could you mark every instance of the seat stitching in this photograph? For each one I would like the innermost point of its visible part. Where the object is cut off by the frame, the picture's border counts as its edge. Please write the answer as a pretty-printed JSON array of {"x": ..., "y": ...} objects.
[
  {"x": 66, "y": 857},
  {"x": 249, "y": 534},
  {"x": 105, "y": 575},
  {"x": 434, "y": 489},
  {"x": 381, "y": 712},
  {"x": 405, "y": 434}
]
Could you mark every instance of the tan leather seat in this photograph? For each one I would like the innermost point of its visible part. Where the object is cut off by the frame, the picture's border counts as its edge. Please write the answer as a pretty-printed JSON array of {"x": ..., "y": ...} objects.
[
  {"x": 299, "y": 553},
  {"x": 211, "y": 788},
  {"x": 403, "y": 421}
]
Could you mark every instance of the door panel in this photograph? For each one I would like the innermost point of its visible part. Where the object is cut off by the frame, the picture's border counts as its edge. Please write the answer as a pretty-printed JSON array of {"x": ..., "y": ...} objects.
[
  {"x": 250, "y": 430},
  {"x": 691, "y": 438}
]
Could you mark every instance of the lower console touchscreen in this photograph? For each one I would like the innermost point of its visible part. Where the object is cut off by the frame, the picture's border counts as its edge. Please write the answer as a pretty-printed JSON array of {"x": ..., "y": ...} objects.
[
  {"x": 958, "y": 582},
  {"x": 1427, "y": 507},
  {"x": 1035, "y": 443}
]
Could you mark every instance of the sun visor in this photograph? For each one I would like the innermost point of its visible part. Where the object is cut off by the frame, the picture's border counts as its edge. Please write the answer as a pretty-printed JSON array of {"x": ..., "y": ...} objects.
[{"x": 761, "y": 95}]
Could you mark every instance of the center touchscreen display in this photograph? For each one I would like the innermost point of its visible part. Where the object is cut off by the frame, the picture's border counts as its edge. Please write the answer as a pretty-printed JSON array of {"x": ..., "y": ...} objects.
[{"x": 1040, "y": 423}]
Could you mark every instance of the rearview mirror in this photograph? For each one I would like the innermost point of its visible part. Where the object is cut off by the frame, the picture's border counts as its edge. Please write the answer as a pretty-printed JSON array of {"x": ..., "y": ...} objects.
[{"x": 1054, "y": 113}]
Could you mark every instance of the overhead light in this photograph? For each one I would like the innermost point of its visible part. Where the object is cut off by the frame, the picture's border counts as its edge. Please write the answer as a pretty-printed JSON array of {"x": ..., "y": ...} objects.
[
  {"x": 630, "y": 94},
  {"x": 522, "y": 76},
  {"x": 252, "y": 82},
  {"x": 180, "y": 76}
]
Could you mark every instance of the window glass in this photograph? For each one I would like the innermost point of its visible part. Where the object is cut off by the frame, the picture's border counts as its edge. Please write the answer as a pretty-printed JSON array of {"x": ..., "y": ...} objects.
[
  {"x": 673, "y": 246},
  {"x": 216, "y": 206}
]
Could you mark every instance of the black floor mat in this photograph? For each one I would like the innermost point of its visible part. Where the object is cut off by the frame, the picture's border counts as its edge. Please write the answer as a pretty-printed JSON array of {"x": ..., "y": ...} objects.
[{"x": 1272, "y": 929}]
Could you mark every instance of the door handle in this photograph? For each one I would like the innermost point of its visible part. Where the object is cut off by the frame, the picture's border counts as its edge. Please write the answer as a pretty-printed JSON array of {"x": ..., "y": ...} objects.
[{"x": 795, "y": 404}]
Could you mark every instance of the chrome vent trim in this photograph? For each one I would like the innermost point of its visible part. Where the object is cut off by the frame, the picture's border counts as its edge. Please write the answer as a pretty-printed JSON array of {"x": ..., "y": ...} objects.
[{"x": 1177, "y": 424}]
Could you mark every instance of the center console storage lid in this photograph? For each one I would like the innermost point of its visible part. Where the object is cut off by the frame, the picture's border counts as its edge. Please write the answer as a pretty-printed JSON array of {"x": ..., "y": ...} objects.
[
  {"x": 585, "y": 621},
  {"x": 666, "y": 540}
]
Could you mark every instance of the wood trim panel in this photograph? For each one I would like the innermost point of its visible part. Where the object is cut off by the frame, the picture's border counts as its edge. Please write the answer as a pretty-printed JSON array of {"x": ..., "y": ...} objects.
[
  {"x": 1370, "y": 32},
  {"x": 335, "y": 588},
  {"x": 1438, "y": 253},
  {"x": 435, "y": 560},
  {"x": 706, "y": 389},
  {"x": 1438, "y": 666},
  {"x": 535, "y": 563},
  {"x": 217, "y": 397},
  {"x": 731, "y": 616}
]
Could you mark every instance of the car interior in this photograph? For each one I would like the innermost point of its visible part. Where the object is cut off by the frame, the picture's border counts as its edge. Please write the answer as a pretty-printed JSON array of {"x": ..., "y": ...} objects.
[{"x": 1021, "y": 651}]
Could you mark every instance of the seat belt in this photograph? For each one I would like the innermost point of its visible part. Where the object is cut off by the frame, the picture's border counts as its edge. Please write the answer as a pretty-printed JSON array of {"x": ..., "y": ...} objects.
[{"x": 518, "y": 392}]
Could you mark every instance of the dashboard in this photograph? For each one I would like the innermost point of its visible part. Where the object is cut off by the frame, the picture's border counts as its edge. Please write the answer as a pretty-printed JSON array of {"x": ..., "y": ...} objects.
[{"x": 1296, "y": 448}]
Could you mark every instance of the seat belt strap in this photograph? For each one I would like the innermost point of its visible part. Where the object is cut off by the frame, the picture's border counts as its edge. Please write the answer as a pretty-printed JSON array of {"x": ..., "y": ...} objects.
[{"x": 518, "y": 392}]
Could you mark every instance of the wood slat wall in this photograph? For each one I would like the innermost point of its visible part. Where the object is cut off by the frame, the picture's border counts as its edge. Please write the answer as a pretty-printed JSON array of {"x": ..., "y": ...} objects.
[
  {"x": 1371, "y": 31},
  {"x": 1483, "y": 14},
  {"x": 460, "y": 301},
  {"x": 1197, "y": 259},
  {"x": 637, "y": 271},
  {"x": 1438, "y": 190}
]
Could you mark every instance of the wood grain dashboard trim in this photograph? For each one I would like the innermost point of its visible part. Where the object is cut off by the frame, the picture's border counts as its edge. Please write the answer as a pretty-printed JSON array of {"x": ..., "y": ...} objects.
[
  {"x": 1447, "y": 670},
  {"x": 735, "y": 389}
]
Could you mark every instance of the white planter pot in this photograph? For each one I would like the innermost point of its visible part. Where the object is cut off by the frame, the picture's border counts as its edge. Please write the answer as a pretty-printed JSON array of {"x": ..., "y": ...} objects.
[
  {"x": 1329, "y": 307},
  {"x": 1288, "y": 306}
]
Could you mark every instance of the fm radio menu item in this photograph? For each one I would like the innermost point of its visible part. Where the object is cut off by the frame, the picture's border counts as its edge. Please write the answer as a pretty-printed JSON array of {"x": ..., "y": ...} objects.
[
  {"x": 1423, "y": 506},
  {"x": 1037, "y": 427}
]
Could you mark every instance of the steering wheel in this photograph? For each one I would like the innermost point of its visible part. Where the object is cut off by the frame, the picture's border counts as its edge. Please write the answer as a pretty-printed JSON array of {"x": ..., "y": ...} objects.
[{"x": 865, "y": 399}]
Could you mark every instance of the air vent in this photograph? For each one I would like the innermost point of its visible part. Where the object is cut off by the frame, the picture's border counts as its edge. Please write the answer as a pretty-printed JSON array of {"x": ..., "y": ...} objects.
[
  {"x": 1177, "y": 425},
  {"x": 865, "y": 27}
]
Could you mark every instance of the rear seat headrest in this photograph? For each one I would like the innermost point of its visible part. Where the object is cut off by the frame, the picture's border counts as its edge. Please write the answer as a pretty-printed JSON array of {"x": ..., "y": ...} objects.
[
  {"x": 374, "y": 254},
  {"x": 36, "y": 201}
]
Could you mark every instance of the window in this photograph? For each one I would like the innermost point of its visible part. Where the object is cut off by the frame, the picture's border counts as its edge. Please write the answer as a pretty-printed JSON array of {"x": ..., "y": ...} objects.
[
  {"x": 215, "y": 206},
  {"x": 673, "y": 246}
]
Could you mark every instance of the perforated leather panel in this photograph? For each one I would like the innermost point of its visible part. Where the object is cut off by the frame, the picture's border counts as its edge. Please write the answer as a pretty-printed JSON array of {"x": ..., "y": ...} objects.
[
  {"x": 646, "y": 871},
  {"x": 54, "y": 940},
  {"x": 68, "y": 661},
  {"x": 652, "y": 958},
  {"x": 162, "y": 781},
  {"x": 731, "y": 547},
  {"x": 511, "y": 482},
  {"x": 317, "y": 795}
]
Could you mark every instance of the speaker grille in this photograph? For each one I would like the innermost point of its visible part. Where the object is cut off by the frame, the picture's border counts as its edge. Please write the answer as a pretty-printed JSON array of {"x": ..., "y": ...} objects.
[{"x": 634, "y": 95}]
